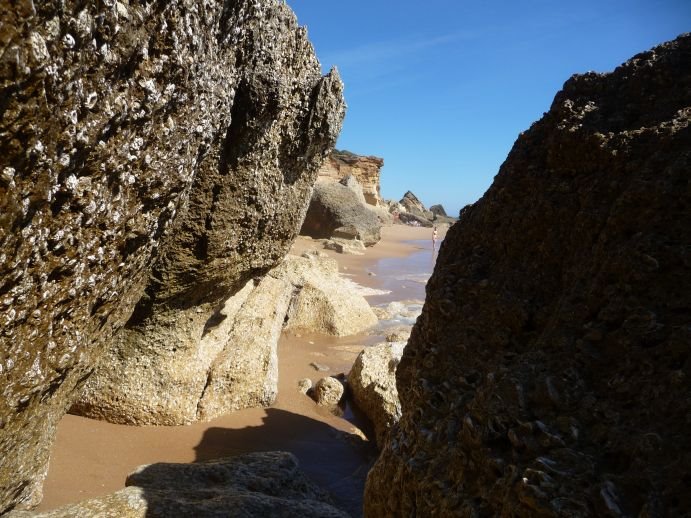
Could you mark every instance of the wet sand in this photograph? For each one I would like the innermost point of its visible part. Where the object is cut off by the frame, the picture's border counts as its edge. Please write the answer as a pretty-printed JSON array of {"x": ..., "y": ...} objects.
[{"x": 92, "y": 458}]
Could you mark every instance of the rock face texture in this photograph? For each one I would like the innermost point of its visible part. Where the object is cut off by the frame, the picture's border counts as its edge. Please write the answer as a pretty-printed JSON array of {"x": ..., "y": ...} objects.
[
  {"x": 549, "y": 373},
  {"x": 372, "y": 382},
  {"x": 186, "y": 131},
  {"x": 336, "y": 207},
  {"x": 232, "y": 362},
  {"x": 366, "y": 169},
  {"x": 229, "y": 365},
  {"x": 255, "y": 484}
]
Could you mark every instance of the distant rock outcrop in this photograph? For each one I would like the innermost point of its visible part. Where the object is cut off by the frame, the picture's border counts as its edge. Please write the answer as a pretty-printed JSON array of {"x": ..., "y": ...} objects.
[
  {"x": 438, "y": 210},
  {"x": 549, "y": 373},
  {"x": 182, "y": 134},
  {"x": 254, "y": 484},
  {"x": 335, "y": 207},
  {"x": 415, "y": 207},
  {"x": 414, "y": 219},
  {"x": 366, "y": 169}
]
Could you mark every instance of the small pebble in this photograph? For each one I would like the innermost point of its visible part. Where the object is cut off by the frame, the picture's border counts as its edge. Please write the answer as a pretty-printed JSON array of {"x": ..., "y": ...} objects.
[{"x": 304, "y": 385}]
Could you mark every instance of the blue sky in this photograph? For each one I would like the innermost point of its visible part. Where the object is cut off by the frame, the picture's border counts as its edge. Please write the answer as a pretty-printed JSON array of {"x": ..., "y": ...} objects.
[{"x": 441, "y": 89}]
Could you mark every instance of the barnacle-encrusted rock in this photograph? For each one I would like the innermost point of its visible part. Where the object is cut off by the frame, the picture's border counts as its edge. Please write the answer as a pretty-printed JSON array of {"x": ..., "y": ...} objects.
[
  {"x": 549, "y": 373},
  {"x": 187, "y": 131}
]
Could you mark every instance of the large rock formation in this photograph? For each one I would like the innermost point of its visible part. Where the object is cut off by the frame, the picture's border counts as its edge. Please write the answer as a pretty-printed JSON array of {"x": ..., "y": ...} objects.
[
  {"x": 366, "y": 169},
  {"x": 188, "y": 131},
  {"x": 335, "y": 209},
  {"x": 255, "y": 484},
  {"x": 230, "y": 364},
  {"x": 549, "y": 373}
]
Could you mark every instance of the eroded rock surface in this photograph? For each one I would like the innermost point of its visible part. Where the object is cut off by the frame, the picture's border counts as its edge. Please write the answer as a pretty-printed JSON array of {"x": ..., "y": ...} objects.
[
  {"x": 549, "y": 373},
  {"x": 323, "y": 301},
  {"x": 255, "y": 484},
  {"x": 228, "y": 365},
  {"x": 366, "y": 169},
  {"x": 201, "y": 372},
  {"x": 188, "y": 131}
]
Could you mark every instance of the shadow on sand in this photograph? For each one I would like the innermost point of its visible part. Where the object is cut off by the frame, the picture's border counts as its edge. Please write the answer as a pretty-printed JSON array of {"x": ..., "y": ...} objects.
[{"x": 335, "y": 461}]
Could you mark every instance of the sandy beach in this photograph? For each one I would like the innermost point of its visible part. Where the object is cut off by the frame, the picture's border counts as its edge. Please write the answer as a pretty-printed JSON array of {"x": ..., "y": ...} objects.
[{"x": 92, "y": 458}]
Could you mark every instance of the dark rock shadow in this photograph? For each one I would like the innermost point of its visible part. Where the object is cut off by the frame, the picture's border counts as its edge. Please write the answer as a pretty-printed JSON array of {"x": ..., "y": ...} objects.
[
  {"x": 290, "y": 465},
  {"x": 334, "y": 460}
]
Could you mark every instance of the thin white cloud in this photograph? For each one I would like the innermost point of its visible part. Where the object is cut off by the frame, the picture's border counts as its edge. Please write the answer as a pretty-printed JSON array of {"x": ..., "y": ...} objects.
[{"x": 388, "y": 51}]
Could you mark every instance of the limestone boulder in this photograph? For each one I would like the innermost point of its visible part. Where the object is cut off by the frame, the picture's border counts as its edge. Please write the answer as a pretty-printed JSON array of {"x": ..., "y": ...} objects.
[
  {"x": 372, "y": 382},
  {"x": 446, "y": 221},
  {"x": 549, "y": 372},
  {"x": 168, "y": 143},
  {"x": 345, "y": 246},
  {"x": 304, "y": 385},
  {"x": 323, "y": 301},
  {"x": 328, "y": 391},
  {"x": 335, "y": 206},
  {"x": 255, "y": 484},
  {"x": 245, "y": 372},
  {"x": 440, "y": 216},
  {"x": 398, "y": 334},
  {"x": 231, "y": 362},
  {"x": 382, "y": 212}
]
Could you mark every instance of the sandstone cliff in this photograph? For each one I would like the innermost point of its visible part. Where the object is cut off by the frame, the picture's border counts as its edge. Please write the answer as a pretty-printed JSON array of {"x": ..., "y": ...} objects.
[
  {"x": 189, "y": 132},
  {"x": 366, "y": 169},
  {"x": 549, "y": 373}
]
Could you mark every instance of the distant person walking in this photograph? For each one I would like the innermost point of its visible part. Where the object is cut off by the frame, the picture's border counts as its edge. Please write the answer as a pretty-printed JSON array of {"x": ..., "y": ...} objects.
[{"x": 435, "y": 235}]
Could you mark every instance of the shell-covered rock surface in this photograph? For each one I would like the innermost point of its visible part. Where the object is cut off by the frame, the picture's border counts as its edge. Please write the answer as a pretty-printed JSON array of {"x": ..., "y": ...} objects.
[
  {"x": 166, "y": 148},
  {"x": 550, "y": 371}
]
